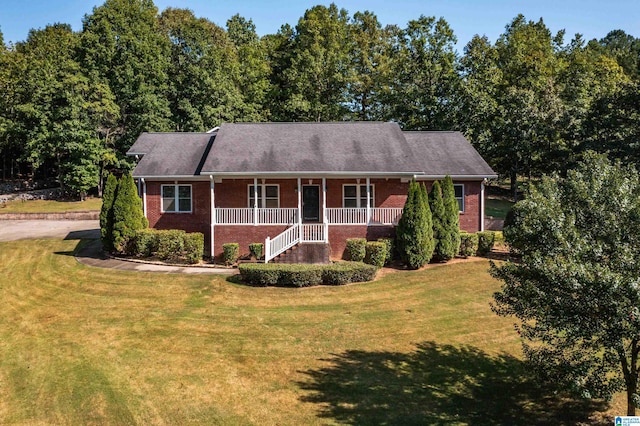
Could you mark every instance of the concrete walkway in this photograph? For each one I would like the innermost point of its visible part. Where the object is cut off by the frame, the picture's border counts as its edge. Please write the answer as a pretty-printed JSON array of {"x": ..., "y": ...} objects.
[{"x": 91, "y": 253}]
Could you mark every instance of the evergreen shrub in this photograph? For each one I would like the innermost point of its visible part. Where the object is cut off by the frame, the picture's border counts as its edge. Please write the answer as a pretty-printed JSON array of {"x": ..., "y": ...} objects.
[
  {"x": 256, "y": 250},
  {"x": 356, "y": 249},
  {"x": 468, "y": 244},
  {"x": 376, "y": 253},
  {"x": 230, "y": 253},
  {"x": 486, "y": 240}
]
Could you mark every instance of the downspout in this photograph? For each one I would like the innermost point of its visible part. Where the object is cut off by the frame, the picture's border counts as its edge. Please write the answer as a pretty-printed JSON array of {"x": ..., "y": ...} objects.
[
  {"x": 144, "y": 196},
  {"x": 482, "y": 205}
]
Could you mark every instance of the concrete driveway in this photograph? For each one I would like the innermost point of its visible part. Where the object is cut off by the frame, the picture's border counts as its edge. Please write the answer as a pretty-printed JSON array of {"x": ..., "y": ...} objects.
[
  {"x": 91, "y": 254},
  {"x": 11, "y": 230}
]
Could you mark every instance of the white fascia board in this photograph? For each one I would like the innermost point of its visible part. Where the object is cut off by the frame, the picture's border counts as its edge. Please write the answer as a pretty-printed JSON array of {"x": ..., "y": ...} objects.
[
  {"x": 456, "y": 177},
  {"x": 173, "y": 177},
  {"x": 309, "y": 174}
]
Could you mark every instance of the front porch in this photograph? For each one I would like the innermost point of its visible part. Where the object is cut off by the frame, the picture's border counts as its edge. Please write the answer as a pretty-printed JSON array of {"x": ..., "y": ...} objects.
[
  {"x": 289, "y": 216},
  {"x": 303, "y": 208}
]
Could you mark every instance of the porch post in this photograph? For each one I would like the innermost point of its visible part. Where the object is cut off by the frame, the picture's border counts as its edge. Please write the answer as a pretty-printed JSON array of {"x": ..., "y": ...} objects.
[
  {"x": 255, "y": 201},
  {"x": 481, "y": 205},
  {"x": 324, "y": 210},
  {"x": 368, "y": 201},
  {"x": 213, "y": 214},
  {"x": 299, "y": 202},
  {"x": 144, "y": 197}
]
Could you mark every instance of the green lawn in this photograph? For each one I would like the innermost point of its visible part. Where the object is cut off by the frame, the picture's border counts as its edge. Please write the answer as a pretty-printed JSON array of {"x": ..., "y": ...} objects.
[
  {"x": 49, "y": 206},
  {"x": 82, "y": 345},
  {"x": 497, "y": 207}
]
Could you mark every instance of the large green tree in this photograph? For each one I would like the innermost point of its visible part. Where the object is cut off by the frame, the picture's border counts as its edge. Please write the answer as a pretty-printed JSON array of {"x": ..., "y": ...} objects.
[
  {"x": 122, "y": 45},
  {"x": 314, "y": 63},
  {"x": 426, "y": 78},
  {"x": 575, "y": 289},
  {"x": 371, "y": 51},
  {"x": 61, "y": 109},
  {"x": 203, "y": 72}
]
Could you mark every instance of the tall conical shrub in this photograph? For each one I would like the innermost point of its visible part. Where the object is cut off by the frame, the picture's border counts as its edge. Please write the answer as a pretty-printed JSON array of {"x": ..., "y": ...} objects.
[
  {"x": 106, "y": 212},
  {"x": 451, "y": 223},
  {"x": 128, "y": 216},
  {"x": 441, "y": 249},
  {"x": 414, "y": 233}
]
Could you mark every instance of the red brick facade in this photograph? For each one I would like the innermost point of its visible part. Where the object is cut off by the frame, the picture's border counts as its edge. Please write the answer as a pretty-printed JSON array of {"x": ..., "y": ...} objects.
[{"x": 234, "y": 193}]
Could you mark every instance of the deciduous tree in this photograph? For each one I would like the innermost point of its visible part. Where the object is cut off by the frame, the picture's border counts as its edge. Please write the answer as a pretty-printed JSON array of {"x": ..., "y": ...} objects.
[{"x": 575, "y": 290}]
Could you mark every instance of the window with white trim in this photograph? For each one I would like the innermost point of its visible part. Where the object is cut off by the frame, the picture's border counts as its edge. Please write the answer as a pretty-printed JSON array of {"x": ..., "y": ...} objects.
[
  {"x": 176, "y": 198},
  {"x": 355, "y": 196},
  {"x": 268, "y": 196},
  {"x": 458, "y": 190}
]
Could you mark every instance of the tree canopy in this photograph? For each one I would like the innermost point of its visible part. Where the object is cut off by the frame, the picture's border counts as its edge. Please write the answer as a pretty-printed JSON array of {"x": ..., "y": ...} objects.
[
  {"x": 72, "y": 103},
  {"x": 575, "y": 289}
]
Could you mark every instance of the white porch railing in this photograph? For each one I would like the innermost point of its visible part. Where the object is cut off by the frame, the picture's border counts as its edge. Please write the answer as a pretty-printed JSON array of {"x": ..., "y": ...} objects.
[
  {"x": 307, "y": 233},
  {"x": 314, "y": 233},
  {"x": 288, "y": 216},
  {"x": 247, "y": 216},
  {"x": 385, "y": 215},
  {"x": 358, "y": 216}
]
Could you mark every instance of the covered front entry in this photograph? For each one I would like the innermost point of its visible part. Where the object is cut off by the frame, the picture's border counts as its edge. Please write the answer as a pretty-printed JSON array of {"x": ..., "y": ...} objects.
[{"x": 311, "y": 203}]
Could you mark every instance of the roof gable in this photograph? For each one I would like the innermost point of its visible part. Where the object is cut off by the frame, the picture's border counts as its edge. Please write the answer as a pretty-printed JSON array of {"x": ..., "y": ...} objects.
[{"x": 171, "y": 154}]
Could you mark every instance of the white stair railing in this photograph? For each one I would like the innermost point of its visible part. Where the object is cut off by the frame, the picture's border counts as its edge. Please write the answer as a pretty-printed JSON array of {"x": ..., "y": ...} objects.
[
  {"x": 281, "y": 243},
  {"x": 307, "y": 233}
]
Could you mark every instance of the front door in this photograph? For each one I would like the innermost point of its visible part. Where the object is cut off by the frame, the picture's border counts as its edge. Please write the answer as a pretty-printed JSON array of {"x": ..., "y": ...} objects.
[{"x": 310, "y": 203}]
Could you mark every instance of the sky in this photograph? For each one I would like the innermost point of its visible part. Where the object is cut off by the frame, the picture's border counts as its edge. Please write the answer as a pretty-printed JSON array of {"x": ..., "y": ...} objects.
[{"x": 591, "y": 18}]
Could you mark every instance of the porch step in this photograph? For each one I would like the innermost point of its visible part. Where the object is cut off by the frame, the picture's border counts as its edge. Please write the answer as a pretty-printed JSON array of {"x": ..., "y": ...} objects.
[{"x": 305, "y": 253}]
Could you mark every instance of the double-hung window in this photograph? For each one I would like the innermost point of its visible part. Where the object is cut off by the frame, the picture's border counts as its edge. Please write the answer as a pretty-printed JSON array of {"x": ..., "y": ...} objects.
[
  {"x": 176, "y": 198},
  {"x": 355, "y": 196},
  {"x": 458, "y": 189},
  {"x": 268, "y": 196}
]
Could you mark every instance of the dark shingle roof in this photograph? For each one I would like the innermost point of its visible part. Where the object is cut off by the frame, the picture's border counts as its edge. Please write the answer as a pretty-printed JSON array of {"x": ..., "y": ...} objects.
[
  {"x": 171, "y": 154},
  {"x": 299, "y": 148},
  {"x": 447, "y": 153},
  {"x": 311, "y": 147}
]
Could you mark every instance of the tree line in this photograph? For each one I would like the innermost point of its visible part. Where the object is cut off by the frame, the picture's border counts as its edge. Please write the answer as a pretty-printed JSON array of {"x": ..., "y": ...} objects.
[{"x": 72, "y": 103}]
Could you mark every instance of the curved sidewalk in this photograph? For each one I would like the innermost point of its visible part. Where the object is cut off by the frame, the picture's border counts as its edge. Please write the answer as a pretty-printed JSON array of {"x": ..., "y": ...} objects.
[{"x": 91, "y": 254}]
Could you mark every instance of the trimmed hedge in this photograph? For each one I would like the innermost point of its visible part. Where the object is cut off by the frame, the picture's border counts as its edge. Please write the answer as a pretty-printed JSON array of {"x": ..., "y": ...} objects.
[
  {"x": 390, "y": 246},
  {"x": 468, "y": 244},
  {"x": 174, "y": 245},
  {"x": 356, "y": 249},
  {"x": 170, "y": 244},
  {"x": 256, "y": 250},
  {"x": 302, "y": 275},
  {"x": 230, "y": 253},
  {"x": 376, "y": 253},
  {"x": 486, "y": 240},
  {"x": 145, "y": 243},
  {"x": 194, "y": 247}
]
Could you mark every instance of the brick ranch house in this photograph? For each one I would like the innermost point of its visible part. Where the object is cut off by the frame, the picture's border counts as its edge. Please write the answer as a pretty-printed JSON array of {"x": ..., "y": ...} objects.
[{"x": 298, "y": 184}]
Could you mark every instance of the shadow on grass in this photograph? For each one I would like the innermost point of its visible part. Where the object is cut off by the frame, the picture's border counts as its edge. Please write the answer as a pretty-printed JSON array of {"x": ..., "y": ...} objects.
[{"x": 437, "y": 384}]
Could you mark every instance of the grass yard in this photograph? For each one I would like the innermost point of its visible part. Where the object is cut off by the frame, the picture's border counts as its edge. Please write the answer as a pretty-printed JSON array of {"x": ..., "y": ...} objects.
[
  {"x": 50, "y": 206},
  {"x": 497, "y": 207},
  {"x": 82, "y": 345}
]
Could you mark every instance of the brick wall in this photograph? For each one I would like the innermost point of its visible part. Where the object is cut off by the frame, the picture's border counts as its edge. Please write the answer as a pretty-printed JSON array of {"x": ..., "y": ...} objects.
[
  {"x": 338, "y": 235},
  {"x": 234, "y": 193},
  {"x": 243, "y": 235},
  {"x": 198, "y": 220}
]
